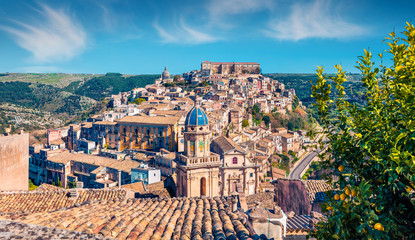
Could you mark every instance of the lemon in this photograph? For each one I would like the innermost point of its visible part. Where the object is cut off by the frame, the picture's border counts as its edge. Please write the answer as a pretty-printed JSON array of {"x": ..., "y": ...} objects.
[{"x": 343, "y": 196}]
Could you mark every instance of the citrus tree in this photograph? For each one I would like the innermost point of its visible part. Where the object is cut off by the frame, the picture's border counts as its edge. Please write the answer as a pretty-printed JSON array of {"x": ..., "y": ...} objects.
[{"x": 371, "y": 147}]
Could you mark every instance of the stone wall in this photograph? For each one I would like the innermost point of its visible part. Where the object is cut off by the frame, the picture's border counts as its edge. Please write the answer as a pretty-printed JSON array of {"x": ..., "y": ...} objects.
[
  {"x": 292, "y": 196},
  {"x": 14, "y": 162}
]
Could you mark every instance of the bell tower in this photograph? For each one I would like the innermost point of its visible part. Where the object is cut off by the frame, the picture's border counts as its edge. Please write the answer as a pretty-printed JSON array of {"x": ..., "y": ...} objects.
[{"x": 198, "y": 168}]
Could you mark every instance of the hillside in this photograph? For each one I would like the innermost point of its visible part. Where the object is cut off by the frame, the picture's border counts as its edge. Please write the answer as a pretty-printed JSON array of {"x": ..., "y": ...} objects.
[
  {"x": 59, "y": 80},
  {"x": 112, "y": 83},
  {"x": 33, "y": 101},
  {"x": 302, "y": 84}
]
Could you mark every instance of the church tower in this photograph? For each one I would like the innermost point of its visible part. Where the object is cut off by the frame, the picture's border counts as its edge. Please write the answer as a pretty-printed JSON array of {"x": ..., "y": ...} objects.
[{"x": 198, "y": 168}]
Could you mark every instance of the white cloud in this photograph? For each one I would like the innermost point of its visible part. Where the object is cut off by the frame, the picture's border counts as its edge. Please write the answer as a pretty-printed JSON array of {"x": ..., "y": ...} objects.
[
  {"x": 219, "y": 8},
  {"x": 108, "y": 17},
  {"x": 57, "y": 37},
  {"x": 317, "y": 19},
  {"x": 182, "y": 33},
  {"x": 220, "y": 11}
]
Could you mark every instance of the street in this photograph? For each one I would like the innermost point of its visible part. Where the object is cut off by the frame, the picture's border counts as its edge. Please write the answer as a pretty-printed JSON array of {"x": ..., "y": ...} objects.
[{"x": 295, "y": 174}]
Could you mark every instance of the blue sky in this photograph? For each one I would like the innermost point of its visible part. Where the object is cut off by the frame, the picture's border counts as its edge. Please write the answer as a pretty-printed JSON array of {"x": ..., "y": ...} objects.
[{"x": 143, "y": 36}]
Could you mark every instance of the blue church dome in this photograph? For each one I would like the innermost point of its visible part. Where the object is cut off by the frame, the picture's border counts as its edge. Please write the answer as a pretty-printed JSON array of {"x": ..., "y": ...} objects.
[{"x": 196, "y": 117}]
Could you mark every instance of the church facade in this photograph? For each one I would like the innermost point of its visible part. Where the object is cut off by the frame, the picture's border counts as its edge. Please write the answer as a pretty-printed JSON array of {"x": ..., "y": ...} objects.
[{"x": 201, "y": 172}]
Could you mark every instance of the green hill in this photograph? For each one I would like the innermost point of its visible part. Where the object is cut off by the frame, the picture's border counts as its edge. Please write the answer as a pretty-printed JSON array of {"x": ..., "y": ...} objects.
[{"x": 63, "y": 98}]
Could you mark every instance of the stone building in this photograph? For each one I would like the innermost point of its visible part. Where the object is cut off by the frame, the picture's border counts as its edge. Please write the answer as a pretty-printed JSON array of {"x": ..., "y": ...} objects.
[
  {"x": 235, "y": 118},
  {"x": 14, "y": 162},
  {"x": 165, "y": 77},
  {"x": 149, "y": 133},
  {"x": 227, "y": 68},
  {"x": 237, "y": 173},
  {"x": 197, "y": 167},
  {"x": 93, "y": 171}
]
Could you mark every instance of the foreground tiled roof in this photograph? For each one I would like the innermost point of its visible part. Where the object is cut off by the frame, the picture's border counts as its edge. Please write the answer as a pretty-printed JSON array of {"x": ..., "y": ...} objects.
[
  {"x": 155, "y": 190},
  {"x": 47, "y": 187},
  {"x": 301, "y": 224},
  {"x": 180, "y": 218},
  {"x": 17, "y": 230},
  {"x": 17, "y": 203},
  {"x": 316, "y": 189}
]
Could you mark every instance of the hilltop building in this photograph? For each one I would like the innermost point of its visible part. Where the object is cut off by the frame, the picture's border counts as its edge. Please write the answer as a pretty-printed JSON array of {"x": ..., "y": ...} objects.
[
  {"x": 164, "y": 78},
  {"x": 228, "y": 68}
]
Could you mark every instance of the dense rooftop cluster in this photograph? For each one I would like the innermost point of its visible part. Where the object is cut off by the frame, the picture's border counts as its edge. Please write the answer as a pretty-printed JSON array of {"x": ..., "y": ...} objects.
[{"x": 174, "y": 218}]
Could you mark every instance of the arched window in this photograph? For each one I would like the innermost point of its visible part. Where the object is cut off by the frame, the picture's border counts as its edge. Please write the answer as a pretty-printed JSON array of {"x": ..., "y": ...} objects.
[{"x": 235, "y": 160}]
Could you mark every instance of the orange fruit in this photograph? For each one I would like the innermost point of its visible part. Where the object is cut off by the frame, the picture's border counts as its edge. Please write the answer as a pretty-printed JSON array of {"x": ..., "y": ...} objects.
[
  {"x": 336, "y": 197},
  {"x": 347, "y": 191},
  {"x": 343, "y": 196},
  {"x": 354, "y": 193},
  {"x": 379, "y": 227},
  {"x": 329, "y": 208},
  {"x": 341, "y": 168}
]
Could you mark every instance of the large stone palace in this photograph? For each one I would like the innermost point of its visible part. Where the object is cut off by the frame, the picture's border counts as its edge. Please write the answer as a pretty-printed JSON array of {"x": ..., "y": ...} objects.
[{"x": 228, "y": 68}]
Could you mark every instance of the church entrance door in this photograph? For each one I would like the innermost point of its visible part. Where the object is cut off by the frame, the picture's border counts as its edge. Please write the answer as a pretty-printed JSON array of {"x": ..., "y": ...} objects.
[{"x": 203, "y": 186}]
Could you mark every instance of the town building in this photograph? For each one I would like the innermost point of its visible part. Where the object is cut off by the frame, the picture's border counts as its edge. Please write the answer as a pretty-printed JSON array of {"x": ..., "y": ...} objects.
[
  {"x": 145, "y": 174},
  {"x": 14, "y": 162},
  {"x": 62, "y": 168},
  {"x": 149, "y": 133}
]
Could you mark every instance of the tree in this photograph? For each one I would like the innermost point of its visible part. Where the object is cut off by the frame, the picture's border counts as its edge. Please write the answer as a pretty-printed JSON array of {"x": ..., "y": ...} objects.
[
  {"x": 296, "y": 102},
  {"x": 266, "y": 120},
  {"x": 138, "y": 101},
  {"x": 372, "y": 147},
  {"x": 245, "y": 123},
  {"x": 31, "y": 185},
  {"x": 256, "y": 109}
]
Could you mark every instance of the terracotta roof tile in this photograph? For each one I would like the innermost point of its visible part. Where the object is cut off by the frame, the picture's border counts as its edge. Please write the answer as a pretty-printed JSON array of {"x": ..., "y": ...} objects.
[
  {"x": 226, "y": 144},
  {"x": 173, "y": 218},
  {"x": 301, "y": 224},
  {"x": 316, "y": 189},
  {"x": 18, "y": 203}
]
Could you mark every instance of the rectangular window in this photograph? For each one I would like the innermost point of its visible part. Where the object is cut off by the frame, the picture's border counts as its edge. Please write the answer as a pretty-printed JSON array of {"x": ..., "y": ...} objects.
[
  {"x": 235, "y": 160},
  {"x": 251, "y": 175}
]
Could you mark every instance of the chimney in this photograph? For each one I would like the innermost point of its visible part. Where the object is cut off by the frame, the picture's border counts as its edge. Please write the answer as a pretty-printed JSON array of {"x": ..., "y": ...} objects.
[
  {"x": 79, "y": 184},
  {"x": 73, "y": 193}
]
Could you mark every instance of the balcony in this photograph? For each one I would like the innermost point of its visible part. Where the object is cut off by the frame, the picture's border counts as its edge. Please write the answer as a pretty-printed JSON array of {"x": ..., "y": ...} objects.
[{"x": 200, "y": 161}]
